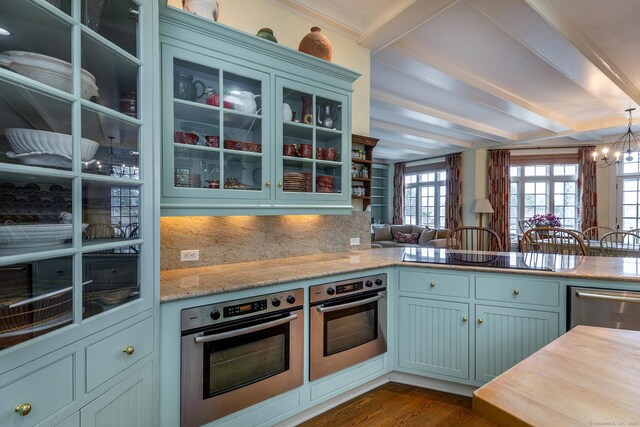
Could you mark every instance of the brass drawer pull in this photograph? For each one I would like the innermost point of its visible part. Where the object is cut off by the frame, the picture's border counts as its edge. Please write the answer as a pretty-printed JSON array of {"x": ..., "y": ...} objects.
[
  {"x": 432, "y": 284},
  {"x": 24, "y": 409},
  {"x": 480, "y": 320},
  {"x": 267, "y": 184},
  {"x": 465, "y": 318},
  {"x": 516, "y": 292},
  {"x": 129, "y": 350},
  {"x": 280, "y": 184}
]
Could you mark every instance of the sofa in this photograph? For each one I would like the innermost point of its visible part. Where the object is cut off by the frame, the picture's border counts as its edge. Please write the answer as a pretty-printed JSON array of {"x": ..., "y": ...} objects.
[{"x": 391, "y": 236}]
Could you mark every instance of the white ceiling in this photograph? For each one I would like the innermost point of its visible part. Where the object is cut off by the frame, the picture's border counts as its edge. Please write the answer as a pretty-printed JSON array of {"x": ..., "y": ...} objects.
[{"x": 448, "y": 75}]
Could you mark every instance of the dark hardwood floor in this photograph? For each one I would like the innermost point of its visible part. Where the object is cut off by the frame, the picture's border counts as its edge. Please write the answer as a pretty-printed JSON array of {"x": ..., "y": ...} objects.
[{"x": 396, "y": 404}]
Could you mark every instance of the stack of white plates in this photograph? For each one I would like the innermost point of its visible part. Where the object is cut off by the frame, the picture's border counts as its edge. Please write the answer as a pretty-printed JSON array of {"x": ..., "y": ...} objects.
[
  {"x": 42, "y": 148},
  {"x": 31, "y": 235}
]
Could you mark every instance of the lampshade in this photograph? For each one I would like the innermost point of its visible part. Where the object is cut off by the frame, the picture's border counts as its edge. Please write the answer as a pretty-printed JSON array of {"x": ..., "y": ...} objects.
[{"x": 482, "y": 206}]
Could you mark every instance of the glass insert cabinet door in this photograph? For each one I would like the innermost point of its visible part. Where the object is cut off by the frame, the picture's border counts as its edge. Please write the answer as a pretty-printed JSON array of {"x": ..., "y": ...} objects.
[
  {"x": 215, "y": 130},
  {"x": 71, "y": 176},
  {"x": 310, "y": 142}
]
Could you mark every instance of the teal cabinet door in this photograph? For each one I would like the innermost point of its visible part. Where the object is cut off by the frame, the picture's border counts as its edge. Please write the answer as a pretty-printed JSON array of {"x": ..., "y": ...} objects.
[
  {"x": 127, "y": 404},
  {"x": 434, "y": 336},
  {"x": 505, "y": 336}
]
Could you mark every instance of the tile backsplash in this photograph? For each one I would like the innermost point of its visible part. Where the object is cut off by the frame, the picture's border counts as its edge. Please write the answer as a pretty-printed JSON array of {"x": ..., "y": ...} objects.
[{"x": 229, "y": 239}]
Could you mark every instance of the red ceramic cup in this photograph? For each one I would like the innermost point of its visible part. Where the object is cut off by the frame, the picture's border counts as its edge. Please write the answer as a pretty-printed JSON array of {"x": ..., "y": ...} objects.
[
  {"x": 319, "y": 154},
  {"x": 306, "y": 151},
  {"x": 213, "y": 141},
  {"x": 289, "y": 150},
  {"x": 330, "y": 153},
  {"x": 186, "y": 138}
]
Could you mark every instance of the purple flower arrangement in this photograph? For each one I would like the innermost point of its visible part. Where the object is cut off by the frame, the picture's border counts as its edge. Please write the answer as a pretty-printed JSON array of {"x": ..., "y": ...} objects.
[{"x": 546, "y": 220}]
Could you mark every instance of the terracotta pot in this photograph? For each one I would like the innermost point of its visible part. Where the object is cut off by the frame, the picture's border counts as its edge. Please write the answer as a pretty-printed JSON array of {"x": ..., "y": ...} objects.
[{"x": 317, "y": 44}]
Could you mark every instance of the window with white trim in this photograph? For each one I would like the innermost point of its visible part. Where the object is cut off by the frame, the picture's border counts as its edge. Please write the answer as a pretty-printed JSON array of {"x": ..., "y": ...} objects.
[
  {"x": 628, "y": 217},
  {"x": 425, "y": 197}
]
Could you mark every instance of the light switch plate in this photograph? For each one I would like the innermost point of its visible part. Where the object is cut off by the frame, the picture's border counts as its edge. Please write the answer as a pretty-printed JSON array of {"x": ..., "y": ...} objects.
[
  {"x": 191, "y": 255},
  {"x": 355, "y": 241}
]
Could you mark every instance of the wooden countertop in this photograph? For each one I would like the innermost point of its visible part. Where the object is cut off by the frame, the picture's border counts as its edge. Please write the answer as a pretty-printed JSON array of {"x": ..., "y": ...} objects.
[
  {"x": 587, "y": 377},
  {"x": 194, "y": 282}
]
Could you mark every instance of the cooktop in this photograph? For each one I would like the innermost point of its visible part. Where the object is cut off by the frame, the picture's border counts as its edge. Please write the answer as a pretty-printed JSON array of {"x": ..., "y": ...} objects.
[{"x": 478, "y": 259}]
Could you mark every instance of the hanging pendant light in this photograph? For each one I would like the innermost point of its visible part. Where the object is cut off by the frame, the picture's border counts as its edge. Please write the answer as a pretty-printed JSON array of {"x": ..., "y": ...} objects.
[{"x": 620, "y": 151}]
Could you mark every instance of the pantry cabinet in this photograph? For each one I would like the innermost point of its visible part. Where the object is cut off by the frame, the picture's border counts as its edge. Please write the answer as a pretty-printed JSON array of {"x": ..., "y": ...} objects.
[{"x": 250, "y": 127}]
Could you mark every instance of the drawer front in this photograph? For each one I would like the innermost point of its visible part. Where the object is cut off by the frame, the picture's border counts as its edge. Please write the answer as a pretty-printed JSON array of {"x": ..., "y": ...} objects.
[
  {"x": 518, "y": 290},
  {"x": 47, "y": 391},
  {"x": 108, "y": 357},
  {"x": 428, "y": 283}
]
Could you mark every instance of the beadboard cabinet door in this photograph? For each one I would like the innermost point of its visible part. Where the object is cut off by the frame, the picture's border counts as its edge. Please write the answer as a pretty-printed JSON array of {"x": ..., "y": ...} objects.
[
  {"x": 434, "y": 336},
  {"x": 505, "y": 336}
]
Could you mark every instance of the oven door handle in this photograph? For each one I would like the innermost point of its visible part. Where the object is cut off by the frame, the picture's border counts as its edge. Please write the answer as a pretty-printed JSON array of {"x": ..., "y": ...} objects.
[
  {"x": 322, "y": 309},
  {"x": 634, "y": 300},
  {"x": 247, "y": 330}
]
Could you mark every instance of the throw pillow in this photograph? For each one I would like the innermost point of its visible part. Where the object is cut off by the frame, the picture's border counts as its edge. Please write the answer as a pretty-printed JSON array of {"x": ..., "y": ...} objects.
[
  {"x": 406, "y": 237},
  {"x": 406, "y": 229},
  {"x": 427, "y": 236},
  {"x": 382, "y": 233}
]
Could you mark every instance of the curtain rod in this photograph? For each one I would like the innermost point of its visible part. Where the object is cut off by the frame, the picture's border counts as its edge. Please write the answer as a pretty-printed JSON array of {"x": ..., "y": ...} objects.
[
  {"x": 431, "y": 158},
  {"x": 542, "y": 148}
]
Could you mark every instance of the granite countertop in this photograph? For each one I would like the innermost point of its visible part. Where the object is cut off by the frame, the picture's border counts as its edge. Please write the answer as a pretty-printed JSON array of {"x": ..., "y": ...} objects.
[{"x": 200, "y": 281}]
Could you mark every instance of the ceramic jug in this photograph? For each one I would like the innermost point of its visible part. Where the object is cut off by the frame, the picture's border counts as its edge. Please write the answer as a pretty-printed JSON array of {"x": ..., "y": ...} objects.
[
  {"x": 287, "y": 112},
  {"x": 243, "y": 100},
  {"x": 307, "y": 110},
  {"x": 184, "y": 87},
  {"x": 326, "y": 115}
]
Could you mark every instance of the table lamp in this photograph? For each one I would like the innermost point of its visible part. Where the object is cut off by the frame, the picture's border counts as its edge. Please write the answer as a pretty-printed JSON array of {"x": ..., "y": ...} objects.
[{"x": 482, "y": 206}]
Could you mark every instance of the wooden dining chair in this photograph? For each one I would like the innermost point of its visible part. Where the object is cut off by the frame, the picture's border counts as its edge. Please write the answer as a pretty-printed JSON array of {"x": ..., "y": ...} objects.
[
  {"x": 553, "y": 240},
  {"x": 620, "y": 244},
  {"x": 473, "y": 239}
]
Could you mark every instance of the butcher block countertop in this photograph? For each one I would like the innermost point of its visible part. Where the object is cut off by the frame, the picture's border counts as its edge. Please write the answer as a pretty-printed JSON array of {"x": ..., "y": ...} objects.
[
  {"x": 588, "y": 377},
  {"x": 194, "y": 282}
]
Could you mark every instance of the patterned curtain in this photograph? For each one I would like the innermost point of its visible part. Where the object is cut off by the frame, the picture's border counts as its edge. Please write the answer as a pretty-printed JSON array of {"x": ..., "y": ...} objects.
[
  {"x": 587, "y": 188},
  {"x": 454, "y": 191},
  {"x": 499, "y": 186},
  {"x": 398, "y": 193}
]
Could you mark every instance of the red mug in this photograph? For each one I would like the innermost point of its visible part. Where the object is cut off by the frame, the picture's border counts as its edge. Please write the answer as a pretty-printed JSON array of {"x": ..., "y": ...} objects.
[
  {"x": 319, "y": 154},
  {"x": 290, "y": 150},
  {"x": 306, "y": 151},
  {"x": 330, "y": 153},
  {"x": 213, "y": 141}
]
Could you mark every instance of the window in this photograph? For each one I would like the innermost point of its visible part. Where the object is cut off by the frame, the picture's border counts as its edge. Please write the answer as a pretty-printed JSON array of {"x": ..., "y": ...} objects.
[
  {"x": 540, "y": 189},
  {"x": 125, "y": 200},
  {"x": 425, "y": 198},
  {"x": 629, "y": 194}
]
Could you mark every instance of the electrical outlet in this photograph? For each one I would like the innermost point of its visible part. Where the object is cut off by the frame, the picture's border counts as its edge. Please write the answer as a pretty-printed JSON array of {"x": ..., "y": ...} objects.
[
  {"x": 355, "y": 241},
  {"x": 192, "y": 255}
]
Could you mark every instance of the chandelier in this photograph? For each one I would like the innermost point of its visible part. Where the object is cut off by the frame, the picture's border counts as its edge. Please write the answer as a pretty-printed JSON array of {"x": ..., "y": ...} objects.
[{"x": 625, "y": 146}]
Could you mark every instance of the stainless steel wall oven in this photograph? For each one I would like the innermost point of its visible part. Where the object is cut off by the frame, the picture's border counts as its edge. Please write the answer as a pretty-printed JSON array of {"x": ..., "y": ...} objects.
[
  {"x": 348, "y": 323},
  {"x": 238, "y": 353}
]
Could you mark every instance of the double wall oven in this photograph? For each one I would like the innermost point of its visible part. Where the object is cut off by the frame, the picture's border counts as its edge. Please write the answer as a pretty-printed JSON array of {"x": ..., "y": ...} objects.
[
  {"x": 348, "y": 323},
  {"x": 238, "y": 353}
]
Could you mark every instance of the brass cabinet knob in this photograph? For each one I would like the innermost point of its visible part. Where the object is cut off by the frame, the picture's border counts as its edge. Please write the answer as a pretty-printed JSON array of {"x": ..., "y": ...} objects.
[
  {"x": 114, "y": 270},
  {"x": 480, "y": 320},
  {"x": 24, "y": 409},
  {"x": 432, "y": 284},
  {"x": 280, "y": 184},
  {"x": 465, "y": 318},
  {"x": 267, "y": 184},
  {"x": 129, "y": 350},
  {"x": 516, "y": 292}
]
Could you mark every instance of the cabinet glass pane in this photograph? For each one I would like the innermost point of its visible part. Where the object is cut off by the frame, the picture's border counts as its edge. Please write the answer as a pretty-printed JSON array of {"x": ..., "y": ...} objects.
[
  {"x": 35, "y": 213},
  {"x": 297, "y": 176},
  {"x": 328, "y": 145},
  {"x": 116, "y": 76},
  {"x": 112, "y": 212},
  {"x": 118, "y": 153},
  {"x": 110, "y": 278},
  {"x": 28, "y": 56},
  {"x": 116, "y": 20},
  {"x": 196, "y": 167},
  {"x": 242, "y": 172},
  {"x": 63, "y": 5},
  {"x": 297, "y": 107},
  {"x": 35, "y": 128},
  {"x": 297, "y": 140},
  {"x": 242, "y": 94},
  {"x": 196, "y": 83},
  {"x": 328, "y": 178},
  {"x": 35, "y": 298},
  {"x": 328, "y": 113},
  {"x": 242, "y": 133}
]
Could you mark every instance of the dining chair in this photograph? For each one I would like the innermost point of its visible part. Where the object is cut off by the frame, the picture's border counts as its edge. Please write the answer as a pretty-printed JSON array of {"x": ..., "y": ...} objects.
[
  {"x": 620, "y": 244},
  {"x": 552, "y": 240},
  {"x": 523, "y": 225},
  {"x": 591, "y": 237},
  {"x": 473, "y": 239}
]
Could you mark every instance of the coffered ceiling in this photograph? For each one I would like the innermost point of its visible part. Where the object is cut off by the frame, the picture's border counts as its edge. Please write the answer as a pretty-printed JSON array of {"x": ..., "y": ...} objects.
[{"x": 448, "y": 75}]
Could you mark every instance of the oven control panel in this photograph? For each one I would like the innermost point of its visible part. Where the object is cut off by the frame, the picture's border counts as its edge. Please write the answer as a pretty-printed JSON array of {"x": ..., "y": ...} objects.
[
  {"x": 227, "y": 311},
  {"x": 351, "y": 287},
  {"x": 368, "y": 284}
]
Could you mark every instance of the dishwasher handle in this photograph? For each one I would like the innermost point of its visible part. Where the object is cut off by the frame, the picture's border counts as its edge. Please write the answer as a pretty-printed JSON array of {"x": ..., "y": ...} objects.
[{"x": 595, "y": 295}]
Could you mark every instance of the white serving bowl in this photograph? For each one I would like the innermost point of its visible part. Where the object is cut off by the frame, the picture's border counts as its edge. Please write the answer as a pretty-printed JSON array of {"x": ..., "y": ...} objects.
[
  {"x": 25, "y": 141},
  {"x": 51, "y": 71},
  {"x": 32, "y": 235}
]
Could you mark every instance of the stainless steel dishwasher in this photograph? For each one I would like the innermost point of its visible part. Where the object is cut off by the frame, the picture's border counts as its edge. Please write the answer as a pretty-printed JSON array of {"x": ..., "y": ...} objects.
[{"x": 607, "y": 308}]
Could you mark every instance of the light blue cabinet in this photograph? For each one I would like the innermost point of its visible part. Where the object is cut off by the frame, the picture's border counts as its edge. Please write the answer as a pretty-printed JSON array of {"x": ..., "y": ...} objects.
[
  {"x": 230, "y": 146},
  {"x": 505, "y": 336},
  {"x": 434, "y": 336}
]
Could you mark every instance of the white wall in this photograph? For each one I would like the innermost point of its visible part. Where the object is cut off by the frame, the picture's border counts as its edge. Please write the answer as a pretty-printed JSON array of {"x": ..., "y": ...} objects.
[
  {"x": 474, "y": 185},
  {"x": 290, "y": 27}
]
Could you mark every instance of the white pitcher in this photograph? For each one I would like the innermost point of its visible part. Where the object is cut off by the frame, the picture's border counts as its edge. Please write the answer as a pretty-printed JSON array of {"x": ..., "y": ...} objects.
[{"x": 243, "y": 100}]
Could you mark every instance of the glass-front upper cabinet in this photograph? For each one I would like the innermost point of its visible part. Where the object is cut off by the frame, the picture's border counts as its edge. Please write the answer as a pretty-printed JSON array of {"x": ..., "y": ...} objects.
[
  {"x": 310, "y": 141},
  {"x": 214, "y": 128},
  {"x": 71, "y": 162}
]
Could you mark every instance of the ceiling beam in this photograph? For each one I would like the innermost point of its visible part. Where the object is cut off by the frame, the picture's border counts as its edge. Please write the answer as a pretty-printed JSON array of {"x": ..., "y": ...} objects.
[
  {"x": 349, "y": 25},
  {"x": 583, "y": 132},
  {"x": 432, "y": 116},
  {"x": 398, "y": 18},
  {"x": 455, "y": 80},
  {"x": 419, "y": 135},
  {"x": 532, "y": 31}
]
